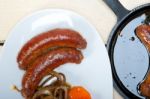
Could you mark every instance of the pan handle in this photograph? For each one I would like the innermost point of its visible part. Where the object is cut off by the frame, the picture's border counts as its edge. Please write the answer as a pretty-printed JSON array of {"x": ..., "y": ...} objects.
[{"x": 117, "y": 8}]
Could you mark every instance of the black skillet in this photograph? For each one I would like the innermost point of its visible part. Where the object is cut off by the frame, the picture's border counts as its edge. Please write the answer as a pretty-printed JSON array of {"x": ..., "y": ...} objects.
[{"x": 129, "y": 58}]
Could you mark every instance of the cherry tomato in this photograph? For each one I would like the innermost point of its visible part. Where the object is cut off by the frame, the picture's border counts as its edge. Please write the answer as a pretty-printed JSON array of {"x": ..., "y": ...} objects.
[{"x": 79, "y": 92}]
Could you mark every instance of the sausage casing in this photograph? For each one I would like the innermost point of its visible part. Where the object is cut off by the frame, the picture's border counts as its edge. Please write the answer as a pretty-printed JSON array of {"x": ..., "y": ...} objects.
[
  {"x": 143, "y": 33},
  {"x": 46, "y": 41},
  {"x": 46, "y": 63}
]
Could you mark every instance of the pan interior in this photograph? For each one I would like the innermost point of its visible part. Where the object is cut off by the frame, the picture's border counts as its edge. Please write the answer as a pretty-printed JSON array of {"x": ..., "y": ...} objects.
[{"x": 131, "y": 59}]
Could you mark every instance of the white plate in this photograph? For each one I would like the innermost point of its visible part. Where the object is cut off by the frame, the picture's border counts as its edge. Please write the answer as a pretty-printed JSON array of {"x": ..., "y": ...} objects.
[{"x": 94, "y": 73}]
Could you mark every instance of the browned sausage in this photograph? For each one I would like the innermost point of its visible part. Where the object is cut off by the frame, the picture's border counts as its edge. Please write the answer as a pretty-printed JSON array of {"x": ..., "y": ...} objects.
[
  {"x": 42, "y": 43},
  {"x": 46, "y": 63},
  {"x": 143, "y": 33},
  {"x": 144, "y": 87}
]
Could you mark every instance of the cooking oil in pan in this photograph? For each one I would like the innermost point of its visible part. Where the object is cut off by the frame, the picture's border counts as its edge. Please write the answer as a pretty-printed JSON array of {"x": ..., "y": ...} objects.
[{"x": 131, "y": 58}]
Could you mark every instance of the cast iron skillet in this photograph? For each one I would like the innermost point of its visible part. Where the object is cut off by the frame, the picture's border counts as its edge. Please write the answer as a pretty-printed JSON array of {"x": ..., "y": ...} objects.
[{"x": 129, "y": 58}]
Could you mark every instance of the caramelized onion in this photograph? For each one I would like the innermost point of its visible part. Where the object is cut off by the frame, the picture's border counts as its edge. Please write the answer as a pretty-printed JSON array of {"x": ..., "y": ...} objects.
[{"x": 58, "y": 89}]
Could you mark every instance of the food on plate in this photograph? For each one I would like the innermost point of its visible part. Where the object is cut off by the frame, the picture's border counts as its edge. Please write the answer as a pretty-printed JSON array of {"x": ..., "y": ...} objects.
[
  {"x": 41, "y": 55},
  {"x": 45, "y": 64},
  {"x": 143, "y": 33},
  {"x": 60, "y": 89},
  {"x": 57, "y": 89},
  {"x": 50, "y": 40},
  {"x": 79, "y": 92}
]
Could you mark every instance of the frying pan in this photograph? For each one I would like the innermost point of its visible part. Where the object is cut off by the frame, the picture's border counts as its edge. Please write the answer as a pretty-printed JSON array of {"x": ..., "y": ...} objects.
[{"x": 129, "y": 58}]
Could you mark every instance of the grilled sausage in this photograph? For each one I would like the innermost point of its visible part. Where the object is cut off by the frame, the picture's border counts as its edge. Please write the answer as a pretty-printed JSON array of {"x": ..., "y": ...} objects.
[
  {"x": 144, "y": 87},
  {"x": 46, "y": 41},
  {"x": 46, "y": 63},
  {"x": 143, "y": 33}
]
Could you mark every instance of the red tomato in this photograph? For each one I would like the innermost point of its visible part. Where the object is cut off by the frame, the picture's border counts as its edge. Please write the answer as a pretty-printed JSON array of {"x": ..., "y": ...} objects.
[{"x": 78, "y": 92}]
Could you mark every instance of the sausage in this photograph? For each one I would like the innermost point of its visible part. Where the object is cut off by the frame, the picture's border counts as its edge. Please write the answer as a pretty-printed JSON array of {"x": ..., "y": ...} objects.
[
  {"x": 143, "y": 33},
  {"x": 44, "y": 42},
  {"x": 144, "y": 87},
  {"x": 46, "y": 63}
]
